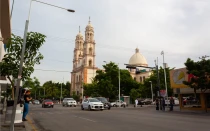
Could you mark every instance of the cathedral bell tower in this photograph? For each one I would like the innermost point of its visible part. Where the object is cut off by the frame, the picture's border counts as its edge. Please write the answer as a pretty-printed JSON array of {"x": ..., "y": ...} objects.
[{"x": 89, "y": 46}]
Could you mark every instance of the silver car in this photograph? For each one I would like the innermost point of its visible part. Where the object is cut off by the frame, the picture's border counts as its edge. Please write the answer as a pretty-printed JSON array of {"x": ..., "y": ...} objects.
[{"x": 69, "y": 102}]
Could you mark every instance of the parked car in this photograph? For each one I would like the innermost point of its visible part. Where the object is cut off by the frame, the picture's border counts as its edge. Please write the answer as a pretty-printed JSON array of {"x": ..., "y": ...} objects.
[
  {"x": 176, "y": 101},
  {"x": 118, "y": 103},
  {"x": 47, "y": 103},
  {"x": 69, "y": 102},
  {"x": 105, "y": 102},
  {"x": 36, "y": 102},
  {"x": 147, "y": 101},
  {"x": 92, "y": 104}
]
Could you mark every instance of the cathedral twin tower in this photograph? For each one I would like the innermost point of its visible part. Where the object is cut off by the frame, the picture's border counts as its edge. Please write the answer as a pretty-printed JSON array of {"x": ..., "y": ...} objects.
[{"x": 84, "y": 60}]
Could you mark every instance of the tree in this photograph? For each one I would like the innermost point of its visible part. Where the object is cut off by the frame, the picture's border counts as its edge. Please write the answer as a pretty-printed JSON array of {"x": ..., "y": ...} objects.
[
  {"x": 134, "y": 93},
  {"x": 11, "y": 61},
  {"x": 146, "y": 90},
  {"x": 200, "y": 74},
  {"x": 106, "y": 82}
]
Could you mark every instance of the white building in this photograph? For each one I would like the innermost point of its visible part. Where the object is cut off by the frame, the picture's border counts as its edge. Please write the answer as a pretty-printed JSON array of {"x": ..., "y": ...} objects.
[{"x": 137, "y": 59}]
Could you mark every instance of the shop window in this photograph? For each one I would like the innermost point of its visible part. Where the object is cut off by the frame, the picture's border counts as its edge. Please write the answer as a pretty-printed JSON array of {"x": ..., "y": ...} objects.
[
  {"x": 190, "y": 100},
  {"x": 140, "y": 79}
]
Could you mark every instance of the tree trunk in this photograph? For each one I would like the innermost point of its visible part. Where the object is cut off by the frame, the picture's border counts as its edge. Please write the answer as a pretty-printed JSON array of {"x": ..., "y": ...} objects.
[{"x": 13, "y": 87}]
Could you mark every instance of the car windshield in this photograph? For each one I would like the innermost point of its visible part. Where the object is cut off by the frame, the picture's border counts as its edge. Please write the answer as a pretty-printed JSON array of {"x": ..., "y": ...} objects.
[
  {"x": 103, "y": 99},
  {"x": 94, "y": 100}
]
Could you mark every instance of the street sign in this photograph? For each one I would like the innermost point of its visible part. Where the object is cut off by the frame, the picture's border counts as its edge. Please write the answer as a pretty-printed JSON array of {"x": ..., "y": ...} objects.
[{"x": 163, "y": 93}]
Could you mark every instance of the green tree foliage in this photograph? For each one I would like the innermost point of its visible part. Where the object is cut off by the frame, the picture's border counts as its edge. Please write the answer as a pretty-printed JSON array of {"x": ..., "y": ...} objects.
[
  {"x": 53, "y": 90},
  {"x": 34, "y": 84},
  {"x": 11, "y": 61},
  {"x": 134, "y": 93},
  {"x": 201, "y": 74},
  {"x": 106, "y": 82},
  {"x": 146, "y": 89}
]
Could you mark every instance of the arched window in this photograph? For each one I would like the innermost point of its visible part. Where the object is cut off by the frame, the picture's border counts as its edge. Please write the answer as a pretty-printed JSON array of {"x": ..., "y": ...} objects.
[
  {"x": 143, "y": 78},
  {"x": 140, "y": 79},
  {"x": 90, "y": 51},
  {"x": 90, "y": 62},
  {"x": 134, "y": 78}
]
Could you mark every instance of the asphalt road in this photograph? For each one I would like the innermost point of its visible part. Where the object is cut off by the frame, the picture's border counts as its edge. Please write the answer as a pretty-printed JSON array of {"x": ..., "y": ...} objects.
[{"x": 117, "y": 119}]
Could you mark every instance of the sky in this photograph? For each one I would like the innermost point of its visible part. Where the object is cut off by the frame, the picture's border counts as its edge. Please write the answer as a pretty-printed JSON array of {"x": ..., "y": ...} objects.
[{"x": 180, "y": 28}]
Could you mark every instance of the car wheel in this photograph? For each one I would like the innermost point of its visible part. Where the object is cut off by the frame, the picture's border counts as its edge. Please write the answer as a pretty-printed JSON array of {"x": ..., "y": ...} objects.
[
  {"x": 114, "y": 105},
  {"x": 74, "y": 105},
  {"x": 89, "y": 108},
  {"x": 52, "y": 106},
  {"x": 109, "y": 108},
  {"x": 82, "y": 107},
  {"x": 63, "y": 105},
  {"x": 101, "y": 109}
]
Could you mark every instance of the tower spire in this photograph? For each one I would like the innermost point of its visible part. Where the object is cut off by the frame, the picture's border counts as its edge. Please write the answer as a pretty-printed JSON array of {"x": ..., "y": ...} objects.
[{"x": 89, "y": 20}]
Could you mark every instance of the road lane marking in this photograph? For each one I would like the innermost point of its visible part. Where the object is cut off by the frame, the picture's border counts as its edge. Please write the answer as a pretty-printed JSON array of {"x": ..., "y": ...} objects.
[{"x": 85, "y": 118}]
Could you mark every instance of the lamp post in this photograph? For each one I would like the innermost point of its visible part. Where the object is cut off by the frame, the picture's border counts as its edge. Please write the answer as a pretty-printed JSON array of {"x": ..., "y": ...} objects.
[
  {"x": 119, "y": 79},
  {"x": 151, "y": 90},
  {"x": 164, "y": 66},
  {"x": 22, "y": 59}
]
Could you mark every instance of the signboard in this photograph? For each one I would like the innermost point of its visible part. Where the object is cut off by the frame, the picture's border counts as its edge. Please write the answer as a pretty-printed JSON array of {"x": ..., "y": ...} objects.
[
  {"x": 177, "y": 77},
  {"x": 163, "y": 93}
]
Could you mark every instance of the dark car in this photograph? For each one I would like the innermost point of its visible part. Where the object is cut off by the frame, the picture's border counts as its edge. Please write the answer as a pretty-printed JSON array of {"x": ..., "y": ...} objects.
[
  {"x": 47, "y": 103},
  {"x": 107, "y": 104},
  {"x": 147, "y": 101}
]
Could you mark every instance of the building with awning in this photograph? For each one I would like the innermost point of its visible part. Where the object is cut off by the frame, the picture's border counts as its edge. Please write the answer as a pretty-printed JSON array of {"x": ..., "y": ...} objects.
[{"x": 188, "y": 99}]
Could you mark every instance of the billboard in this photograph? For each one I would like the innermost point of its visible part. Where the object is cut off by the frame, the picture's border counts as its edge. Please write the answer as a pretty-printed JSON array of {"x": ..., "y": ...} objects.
[{"x": 177, "y": 77}]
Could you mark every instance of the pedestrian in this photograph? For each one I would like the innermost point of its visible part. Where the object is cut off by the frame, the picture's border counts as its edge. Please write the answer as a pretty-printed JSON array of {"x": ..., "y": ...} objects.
[
  {"x": 136, "y": 103},
  {"x": 27, "y": 99},
  {"x": 171, "y": 104},
  {"x": 163, "y": 104},
  {"x": 157, "y": 104}
]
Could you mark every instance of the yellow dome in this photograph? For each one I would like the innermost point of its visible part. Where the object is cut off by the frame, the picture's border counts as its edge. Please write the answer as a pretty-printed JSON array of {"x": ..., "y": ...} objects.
[{"x": 138, "y": 59}]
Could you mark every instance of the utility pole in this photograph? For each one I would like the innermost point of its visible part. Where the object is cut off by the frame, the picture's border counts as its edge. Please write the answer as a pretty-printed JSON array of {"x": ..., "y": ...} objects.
[
  {"x": 164, "y": 67},
  {"x": 158, "y": 81}
]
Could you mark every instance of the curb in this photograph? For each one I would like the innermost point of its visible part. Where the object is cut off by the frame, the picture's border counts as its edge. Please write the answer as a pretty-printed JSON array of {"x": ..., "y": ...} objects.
[{"x": 30, "y": 124}]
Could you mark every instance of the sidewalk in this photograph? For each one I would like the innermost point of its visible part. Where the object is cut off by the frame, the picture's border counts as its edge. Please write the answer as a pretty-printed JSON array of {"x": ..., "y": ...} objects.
[{"x": 23, "y": 126}]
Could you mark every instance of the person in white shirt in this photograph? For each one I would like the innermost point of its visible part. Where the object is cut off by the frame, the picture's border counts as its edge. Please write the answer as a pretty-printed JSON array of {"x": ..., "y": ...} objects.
[{"x": 136, "y": 103}]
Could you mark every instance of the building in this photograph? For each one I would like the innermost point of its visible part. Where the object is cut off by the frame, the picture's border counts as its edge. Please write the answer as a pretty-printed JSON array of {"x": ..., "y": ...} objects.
[
  {"x": 84, "y": 68},
  {"x": 187, "y": 98},
  {"x": 137, "y": 59},
  {"x": 5, "y": 33}
]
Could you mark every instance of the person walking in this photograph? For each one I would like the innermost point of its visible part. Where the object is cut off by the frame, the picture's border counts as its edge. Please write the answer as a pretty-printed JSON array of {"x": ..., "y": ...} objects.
[
  {"x": 136, "y": 103},
  {"x": 163, "y": 104},
  {"x": 171, "y": 104},
  {"x": 157, "y": 104},
  {"x": 27, "y": 99}
]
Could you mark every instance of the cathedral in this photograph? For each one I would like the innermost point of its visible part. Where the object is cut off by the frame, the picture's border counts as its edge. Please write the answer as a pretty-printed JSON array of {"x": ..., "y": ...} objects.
[{"x": 84, "y": 68}]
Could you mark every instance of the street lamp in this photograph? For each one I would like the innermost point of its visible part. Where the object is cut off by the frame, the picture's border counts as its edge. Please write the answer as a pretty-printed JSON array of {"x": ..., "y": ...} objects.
[
  {"x": 119, "y": 79},
  {"x": 151, "y": 90},
  {"x": 22, "y": 59},
  {"x": 61, "y": 90},
  {"x": 164, "y": 66}
]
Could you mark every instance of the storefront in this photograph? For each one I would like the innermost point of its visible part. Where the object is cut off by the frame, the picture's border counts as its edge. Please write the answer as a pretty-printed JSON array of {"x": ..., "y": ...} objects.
[{"x": 187, "y": 98}]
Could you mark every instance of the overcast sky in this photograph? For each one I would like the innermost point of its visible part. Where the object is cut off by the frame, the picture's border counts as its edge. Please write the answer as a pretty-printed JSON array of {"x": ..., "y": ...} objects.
[{"x": 179, "y": 27}]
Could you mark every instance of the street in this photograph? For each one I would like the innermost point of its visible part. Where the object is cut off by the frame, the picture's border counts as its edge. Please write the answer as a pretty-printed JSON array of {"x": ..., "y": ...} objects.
[{"x": 117, "y": 119}]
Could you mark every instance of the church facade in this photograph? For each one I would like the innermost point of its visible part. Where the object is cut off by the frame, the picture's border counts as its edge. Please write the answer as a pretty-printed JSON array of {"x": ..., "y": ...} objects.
[
  {"x": 137, "y": 59},
  {"x": 84, "y": 68}
]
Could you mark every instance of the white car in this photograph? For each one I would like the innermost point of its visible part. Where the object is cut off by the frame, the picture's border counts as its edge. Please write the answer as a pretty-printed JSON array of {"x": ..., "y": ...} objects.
[
  {"x": 92, "y": 104},
  {"x": 69, "y": 102},
  {"x": 176, "y": 101},
  {"x": 118, "y": 103}
]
